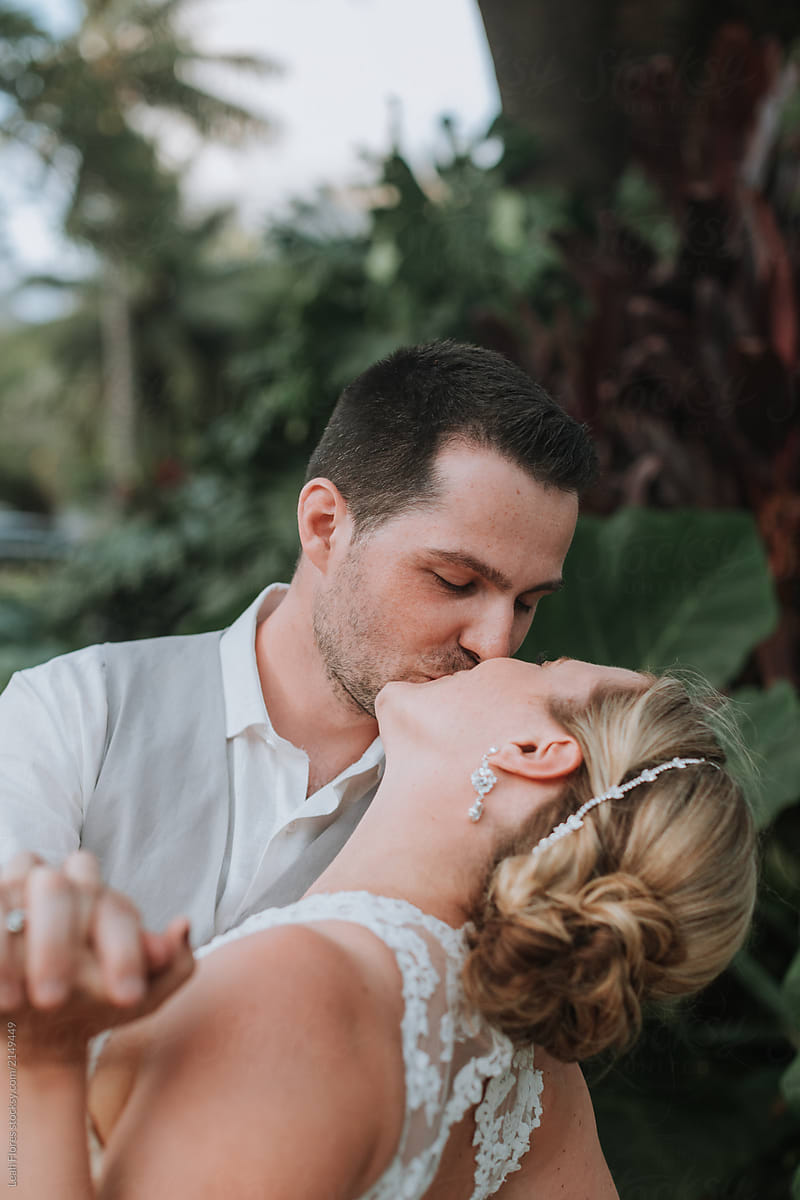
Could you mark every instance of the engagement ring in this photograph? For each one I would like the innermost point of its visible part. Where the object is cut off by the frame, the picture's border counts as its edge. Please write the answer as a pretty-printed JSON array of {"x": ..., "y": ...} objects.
[{"x": 15, "y": 920}]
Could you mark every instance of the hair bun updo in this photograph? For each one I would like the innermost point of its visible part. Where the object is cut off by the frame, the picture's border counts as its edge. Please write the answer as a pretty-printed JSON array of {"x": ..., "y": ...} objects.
[
  {"x": 648, "y": 899},
  {"x": 570, "y": 971}
]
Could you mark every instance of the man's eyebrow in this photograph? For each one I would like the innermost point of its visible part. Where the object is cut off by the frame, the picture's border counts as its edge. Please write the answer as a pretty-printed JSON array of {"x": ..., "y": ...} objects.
[{"x": 490, "y": 573}]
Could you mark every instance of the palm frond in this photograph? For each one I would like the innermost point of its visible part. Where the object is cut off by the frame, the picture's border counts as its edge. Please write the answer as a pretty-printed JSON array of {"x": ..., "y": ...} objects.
[
  {"x": 46, "y": 280},
  {"x": 16, "y": 25},
  {"x": 210, "y": 114},
  {"x": 254, "y": 64}
]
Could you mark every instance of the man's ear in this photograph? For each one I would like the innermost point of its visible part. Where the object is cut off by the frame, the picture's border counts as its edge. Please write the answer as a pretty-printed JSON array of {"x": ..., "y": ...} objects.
[
  {"x": 554, "y": 756},
  {"x": 323, "y": 521}
]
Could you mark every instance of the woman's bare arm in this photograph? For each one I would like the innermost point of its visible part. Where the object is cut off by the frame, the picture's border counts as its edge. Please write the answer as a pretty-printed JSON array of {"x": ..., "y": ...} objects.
[{"x": 275, "y": 1071}]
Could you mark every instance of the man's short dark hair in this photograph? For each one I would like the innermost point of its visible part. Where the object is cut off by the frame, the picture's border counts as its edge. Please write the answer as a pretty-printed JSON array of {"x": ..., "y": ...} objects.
[{"x": 389, "y": 424}]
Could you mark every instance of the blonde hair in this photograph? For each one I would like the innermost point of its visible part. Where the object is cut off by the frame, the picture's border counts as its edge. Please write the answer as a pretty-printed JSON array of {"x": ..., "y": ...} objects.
[{"x": 649, "y": 900}]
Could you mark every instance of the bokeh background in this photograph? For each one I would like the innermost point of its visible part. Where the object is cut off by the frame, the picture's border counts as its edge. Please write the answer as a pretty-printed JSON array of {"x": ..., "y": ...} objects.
[{"x": 214, "y": 213}]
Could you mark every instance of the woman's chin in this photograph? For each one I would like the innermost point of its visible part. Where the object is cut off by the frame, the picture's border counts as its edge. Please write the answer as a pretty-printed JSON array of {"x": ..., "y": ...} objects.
[
  {"x": 383, "y": 694},
  {"x": 391, "y": 694}
]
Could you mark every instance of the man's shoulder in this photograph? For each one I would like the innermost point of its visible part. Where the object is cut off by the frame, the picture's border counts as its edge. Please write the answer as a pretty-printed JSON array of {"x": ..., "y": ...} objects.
[
  {"x": 157, "y": 649},
  {"x": 163, "y": 672},
  {"x": 105, "y": 674},
  {"x": 93, "y": 660},
  {"x": 64, "y": 679}
]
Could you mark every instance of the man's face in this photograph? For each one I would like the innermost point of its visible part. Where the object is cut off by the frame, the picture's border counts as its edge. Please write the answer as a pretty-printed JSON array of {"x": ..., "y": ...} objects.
[{"x": 447, "y": 585}]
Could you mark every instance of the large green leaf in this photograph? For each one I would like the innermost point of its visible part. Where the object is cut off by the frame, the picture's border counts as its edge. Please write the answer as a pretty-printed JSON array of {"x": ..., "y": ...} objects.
[
  {"x": 790, "y": 1080},
  {"x": 791, "y": 992},
  {"x": 761, "y": 984},
  {"x": 790, "y": 1085},
  {"x": 686, "y": 1137},
  {"x": 771, "y": 728},
  {"x": 652, "y": 589}
]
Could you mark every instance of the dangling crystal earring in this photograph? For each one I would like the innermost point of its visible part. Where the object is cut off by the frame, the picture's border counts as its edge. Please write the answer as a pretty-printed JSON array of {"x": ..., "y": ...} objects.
[{"x": 483, "y": 780}]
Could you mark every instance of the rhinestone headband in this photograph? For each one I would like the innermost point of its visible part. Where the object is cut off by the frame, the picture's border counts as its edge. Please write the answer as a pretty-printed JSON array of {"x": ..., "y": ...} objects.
[{"x": 575, "y": 820}]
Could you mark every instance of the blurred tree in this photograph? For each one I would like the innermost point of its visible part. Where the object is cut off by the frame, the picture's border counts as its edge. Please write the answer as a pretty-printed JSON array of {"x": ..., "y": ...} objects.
[
  {"x": 570, "y": 76},
  {"x": 82, "y": 104}
]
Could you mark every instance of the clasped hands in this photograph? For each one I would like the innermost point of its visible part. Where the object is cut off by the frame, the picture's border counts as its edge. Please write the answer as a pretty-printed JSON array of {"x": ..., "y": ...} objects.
[{"x": 82, "y": 962}]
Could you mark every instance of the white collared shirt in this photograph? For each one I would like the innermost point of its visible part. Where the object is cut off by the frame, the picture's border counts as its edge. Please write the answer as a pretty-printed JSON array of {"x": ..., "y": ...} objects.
[
  {"x": 289, "y": 822},
  {"x": 52, "y": 738}
]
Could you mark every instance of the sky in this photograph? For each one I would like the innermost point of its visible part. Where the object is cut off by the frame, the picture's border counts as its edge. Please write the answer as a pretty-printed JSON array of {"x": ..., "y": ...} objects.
[{"x": 351, "y": 70}]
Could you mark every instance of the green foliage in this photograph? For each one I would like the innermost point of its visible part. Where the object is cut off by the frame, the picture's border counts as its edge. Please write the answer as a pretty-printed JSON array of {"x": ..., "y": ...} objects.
[
  {"x": 18, "y": 30},
  {"x": 687, "y": 1124},
  {"x": 649, "y": 590},
  {"x": 640, "y": 207},
  {"x": 771, "y": 722},
  {"x": 191, "y": 564},
  {"x": 790, "y": 1081},
  {"x": 25, "y": 639},
  {"x": 79, "y": 105},
  {"x": 72, "y": 101},
  {"x": 790, "y": 1085}
]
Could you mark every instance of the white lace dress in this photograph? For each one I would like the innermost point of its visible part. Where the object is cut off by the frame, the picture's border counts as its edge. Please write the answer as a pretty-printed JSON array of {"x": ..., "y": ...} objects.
[{"x": 453, "y": 1059}]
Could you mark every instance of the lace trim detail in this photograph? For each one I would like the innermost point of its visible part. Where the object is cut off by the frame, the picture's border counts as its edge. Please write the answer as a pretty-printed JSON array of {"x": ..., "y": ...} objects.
[
  {"x": 503, "y": 1137},
  {"x": 95, "y": 1048},
  {"x": 360, "y": 907},
  {"x": 409, "y": 1179}
]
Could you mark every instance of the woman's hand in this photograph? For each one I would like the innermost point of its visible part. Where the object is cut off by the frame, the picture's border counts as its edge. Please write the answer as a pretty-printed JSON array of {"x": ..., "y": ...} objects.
[{"x": 83, "y": 962}]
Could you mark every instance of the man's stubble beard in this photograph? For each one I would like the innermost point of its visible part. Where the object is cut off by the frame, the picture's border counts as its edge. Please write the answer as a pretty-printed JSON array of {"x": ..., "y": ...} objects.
[
  {"x": 342, "y": 631},
  {"x": 355, "y": 645}
]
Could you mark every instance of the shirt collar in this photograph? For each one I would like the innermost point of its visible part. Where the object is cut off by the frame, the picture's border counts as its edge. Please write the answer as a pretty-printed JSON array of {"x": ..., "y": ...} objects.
[
  {"x": 371, "y": 760},
  {"x": 241, "y": 686}
]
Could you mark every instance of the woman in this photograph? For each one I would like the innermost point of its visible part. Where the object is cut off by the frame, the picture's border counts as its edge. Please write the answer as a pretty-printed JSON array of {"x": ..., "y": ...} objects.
[{"x": 551, "y": 848}]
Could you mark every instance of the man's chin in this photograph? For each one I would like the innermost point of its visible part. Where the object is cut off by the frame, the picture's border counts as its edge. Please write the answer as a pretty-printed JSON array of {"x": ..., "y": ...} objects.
[{"x": 365, "y": 704}]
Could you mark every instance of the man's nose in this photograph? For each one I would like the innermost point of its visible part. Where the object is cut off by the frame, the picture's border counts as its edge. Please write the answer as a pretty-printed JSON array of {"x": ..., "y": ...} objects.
[{"x": 490, "y": 633}]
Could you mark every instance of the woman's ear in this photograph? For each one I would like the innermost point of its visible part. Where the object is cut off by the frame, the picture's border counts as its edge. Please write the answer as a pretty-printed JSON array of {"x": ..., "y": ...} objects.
[
  {"x": 554, "y": 756},
  {"x": 323, "y": 521}
]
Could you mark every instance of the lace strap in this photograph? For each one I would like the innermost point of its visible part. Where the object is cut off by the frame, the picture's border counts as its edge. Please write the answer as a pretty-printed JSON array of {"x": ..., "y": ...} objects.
[{"x": 504, "y": 1121}]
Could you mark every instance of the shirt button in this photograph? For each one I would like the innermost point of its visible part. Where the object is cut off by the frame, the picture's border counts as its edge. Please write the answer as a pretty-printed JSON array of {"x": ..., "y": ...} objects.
[{"x": 290, "y": 828}]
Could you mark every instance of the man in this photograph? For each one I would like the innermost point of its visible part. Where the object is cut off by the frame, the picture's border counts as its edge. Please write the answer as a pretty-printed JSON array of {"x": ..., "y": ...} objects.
[{"x": 217, "y": 774}]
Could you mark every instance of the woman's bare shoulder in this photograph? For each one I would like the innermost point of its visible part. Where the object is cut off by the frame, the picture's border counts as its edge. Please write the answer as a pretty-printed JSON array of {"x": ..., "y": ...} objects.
[
  {"x": 565, "y": 1158},
  {"x": 281, "y": 1042}
]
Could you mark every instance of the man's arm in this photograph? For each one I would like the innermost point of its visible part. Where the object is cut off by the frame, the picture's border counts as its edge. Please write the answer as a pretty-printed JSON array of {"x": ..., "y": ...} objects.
[{"x": 52, "y": 733}]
